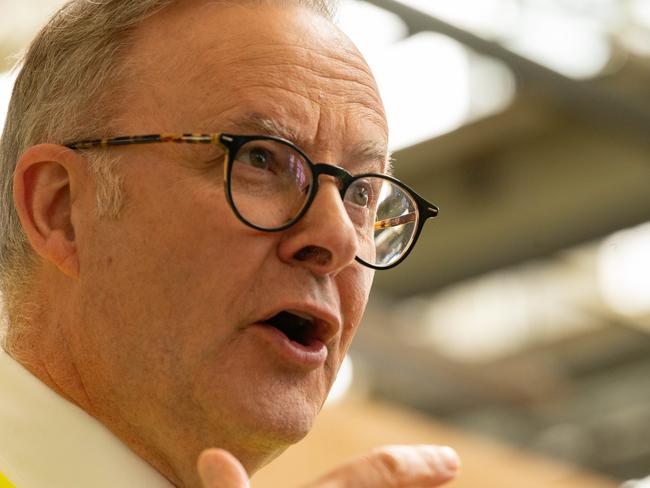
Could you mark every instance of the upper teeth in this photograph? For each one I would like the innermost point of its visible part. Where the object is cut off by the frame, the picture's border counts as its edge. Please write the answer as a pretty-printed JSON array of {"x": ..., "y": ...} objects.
[{"x": 302, "y": 315}]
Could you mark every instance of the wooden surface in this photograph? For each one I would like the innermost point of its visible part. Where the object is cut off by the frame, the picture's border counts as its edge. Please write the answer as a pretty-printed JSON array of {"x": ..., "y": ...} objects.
[{"x": 345, "y": 430}]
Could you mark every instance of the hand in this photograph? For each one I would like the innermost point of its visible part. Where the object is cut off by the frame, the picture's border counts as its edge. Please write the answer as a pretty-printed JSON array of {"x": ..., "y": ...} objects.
[{"x": 421, "y": 466}]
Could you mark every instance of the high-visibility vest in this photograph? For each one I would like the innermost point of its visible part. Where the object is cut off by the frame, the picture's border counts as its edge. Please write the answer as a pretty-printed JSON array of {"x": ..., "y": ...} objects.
[{"x": 4, "y": 482}]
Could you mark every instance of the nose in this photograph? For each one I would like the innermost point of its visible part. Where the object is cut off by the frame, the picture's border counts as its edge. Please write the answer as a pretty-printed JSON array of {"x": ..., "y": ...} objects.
[{"x": 324, "y": 240}]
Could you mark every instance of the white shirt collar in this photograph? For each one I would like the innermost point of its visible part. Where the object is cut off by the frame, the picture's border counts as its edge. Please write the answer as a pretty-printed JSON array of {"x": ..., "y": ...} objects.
[{"x": 48, "y": 441}]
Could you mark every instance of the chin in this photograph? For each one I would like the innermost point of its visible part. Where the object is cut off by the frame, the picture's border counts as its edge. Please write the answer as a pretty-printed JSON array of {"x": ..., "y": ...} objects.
[
  {"x": 261, "y": 407},
  {"x": 287, "y": 426},
  {"x": 273, "y": 424},
  {"x": 261, "y": 439}
]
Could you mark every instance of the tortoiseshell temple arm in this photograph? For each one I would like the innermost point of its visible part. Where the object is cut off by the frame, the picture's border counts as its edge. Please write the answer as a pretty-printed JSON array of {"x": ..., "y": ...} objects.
[
  {"x": 402, "y": 219},
  {"x": 147, "y": 139}
]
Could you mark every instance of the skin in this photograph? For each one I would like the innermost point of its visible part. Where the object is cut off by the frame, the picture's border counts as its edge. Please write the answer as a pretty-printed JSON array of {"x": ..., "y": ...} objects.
[
  {"x": 146, "y": 319},
  {"x": 156, "y": 305}
]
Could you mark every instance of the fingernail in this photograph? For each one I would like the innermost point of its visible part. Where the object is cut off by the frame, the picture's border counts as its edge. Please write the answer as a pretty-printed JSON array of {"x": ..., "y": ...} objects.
[{"x": 450, "y": 459}]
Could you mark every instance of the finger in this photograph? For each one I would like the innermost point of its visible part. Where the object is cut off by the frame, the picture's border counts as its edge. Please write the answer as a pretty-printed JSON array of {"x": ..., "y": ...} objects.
[
  {"x": 220, "y": 469},
  {"x": 422, "y": 466}
]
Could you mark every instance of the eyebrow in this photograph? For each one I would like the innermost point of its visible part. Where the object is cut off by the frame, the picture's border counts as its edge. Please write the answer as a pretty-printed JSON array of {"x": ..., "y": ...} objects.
[
  {"x": 373, "y": 151},
  {"x": 363, "y": 151},
  {"x": 260, "y": 124}
]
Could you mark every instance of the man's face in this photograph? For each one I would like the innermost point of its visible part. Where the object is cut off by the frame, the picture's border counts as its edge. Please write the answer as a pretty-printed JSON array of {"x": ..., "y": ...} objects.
[{"x": 171, "y": 295}]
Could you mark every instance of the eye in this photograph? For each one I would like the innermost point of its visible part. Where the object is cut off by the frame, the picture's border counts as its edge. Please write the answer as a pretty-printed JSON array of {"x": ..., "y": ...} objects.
[
  {"x": 257, "y": 157},
  {"x": 360, "y": 193}
]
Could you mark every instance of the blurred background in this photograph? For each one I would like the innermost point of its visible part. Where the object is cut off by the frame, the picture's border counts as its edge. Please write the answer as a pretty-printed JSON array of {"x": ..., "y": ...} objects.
[{"x": 518, "y": 331}]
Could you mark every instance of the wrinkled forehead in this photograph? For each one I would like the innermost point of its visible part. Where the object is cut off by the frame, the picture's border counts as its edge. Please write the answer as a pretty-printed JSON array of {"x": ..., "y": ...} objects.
[{"x": 198, "y": 60}]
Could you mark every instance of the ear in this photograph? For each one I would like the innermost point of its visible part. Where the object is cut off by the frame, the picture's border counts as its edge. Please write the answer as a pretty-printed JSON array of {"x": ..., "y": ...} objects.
[{"x": 46, "y": 181}]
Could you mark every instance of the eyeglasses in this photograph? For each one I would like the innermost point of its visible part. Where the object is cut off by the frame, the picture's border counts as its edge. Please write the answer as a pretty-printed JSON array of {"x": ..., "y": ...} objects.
[{"x": 270, "y": 184}]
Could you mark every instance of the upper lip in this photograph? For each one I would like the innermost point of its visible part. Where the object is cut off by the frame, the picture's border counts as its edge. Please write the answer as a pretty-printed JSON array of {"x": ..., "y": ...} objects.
[{"x": 327, "y": 323}]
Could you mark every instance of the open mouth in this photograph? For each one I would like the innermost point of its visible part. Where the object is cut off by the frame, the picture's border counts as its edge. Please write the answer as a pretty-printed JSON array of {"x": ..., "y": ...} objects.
[{"x": 297, "y": 328}]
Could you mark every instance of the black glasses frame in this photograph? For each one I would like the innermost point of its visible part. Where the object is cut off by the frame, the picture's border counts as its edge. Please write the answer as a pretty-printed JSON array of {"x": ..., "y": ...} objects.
[{"x": 231, "y": 143}]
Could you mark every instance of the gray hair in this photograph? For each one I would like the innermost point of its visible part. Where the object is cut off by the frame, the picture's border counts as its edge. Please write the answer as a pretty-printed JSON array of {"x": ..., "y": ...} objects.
[{"x": 62, "y": 93}]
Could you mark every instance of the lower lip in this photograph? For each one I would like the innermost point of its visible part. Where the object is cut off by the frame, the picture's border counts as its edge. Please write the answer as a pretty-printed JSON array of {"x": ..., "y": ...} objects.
[{"x": 309, "y": 356}]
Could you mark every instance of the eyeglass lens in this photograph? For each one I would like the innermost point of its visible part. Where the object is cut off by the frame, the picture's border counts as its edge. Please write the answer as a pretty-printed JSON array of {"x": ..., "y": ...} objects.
[{"x": 270, "y": 184}]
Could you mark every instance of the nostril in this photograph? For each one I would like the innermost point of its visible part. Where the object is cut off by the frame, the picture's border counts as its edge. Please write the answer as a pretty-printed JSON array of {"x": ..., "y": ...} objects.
[{"x": 319, "y": 255}]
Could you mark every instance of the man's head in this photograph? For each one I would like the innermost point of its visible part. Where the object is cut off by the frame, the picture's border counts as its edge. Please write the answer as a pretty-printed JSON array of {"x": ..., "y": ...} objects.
[{"x": 147, "y": 312}]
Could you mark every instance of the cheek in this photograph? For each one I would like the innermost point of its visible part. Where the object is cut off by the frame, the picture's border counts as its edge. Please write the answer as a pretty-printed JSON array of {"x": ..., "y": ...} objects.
[
  {"x": 171, "y": 258},
  {"x": 355, "y": 285}
]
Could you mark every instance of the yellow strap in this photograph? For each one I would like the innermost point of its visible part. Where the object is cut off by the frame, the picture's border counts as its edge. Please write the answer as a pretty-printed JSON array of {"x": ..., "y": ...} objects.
[{"x": 5, "y": 483}]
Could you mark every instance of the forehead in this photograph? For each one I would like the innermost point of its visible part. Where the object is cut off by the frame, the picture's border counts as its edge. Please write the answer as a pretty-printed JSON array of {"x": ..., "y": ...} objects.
[{"x": 287, "y": 64}]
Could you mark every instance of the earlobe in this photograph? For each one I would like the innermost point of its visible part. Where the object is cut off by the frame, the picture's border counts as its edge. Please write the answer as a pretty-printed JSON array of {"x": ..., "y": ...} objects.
[{"x": 44, "y": 184}]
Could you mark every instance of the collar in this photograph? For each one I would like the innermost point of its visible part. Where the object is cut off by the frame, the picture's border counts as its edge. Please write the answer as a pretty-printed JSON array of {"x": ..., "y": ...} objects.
[{"x": 48, "y": 441}]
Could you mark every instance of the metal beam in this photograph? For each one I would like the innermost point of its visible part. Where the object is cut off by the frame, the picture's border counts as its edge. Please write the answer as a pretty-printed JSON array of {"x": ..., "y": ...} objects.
[{"x": 593, "y": 101}]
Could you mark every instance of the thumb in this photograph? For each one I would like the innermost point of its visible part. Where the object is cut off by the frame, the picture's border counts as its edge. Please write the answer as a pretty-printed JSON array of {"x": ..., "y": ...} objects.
[{"x": 220, "y": 469}]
